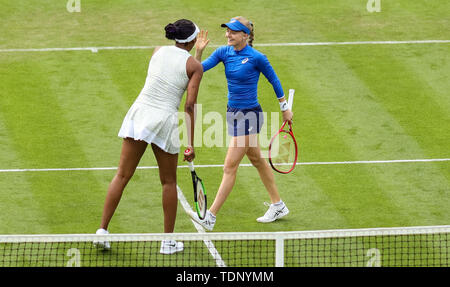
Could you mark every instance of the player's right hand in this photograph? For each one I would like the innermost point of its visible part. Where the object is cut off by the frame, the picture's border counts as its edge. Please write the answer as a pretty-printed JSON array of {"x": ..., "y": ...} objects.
[
  {"x": 189, "y": 154},
  {"x": 202, "y": 40},
  {"x": 287, "y": 116}
]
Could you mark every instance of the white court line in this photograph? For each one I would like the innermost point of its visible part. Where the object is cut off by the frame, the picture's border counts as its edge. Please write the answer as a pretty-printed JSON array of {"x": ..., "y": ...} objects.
[
  {"x": 211, "y": 248},
  {"x": 243, "y": 164},
  {"x": 96, "y": 49}
]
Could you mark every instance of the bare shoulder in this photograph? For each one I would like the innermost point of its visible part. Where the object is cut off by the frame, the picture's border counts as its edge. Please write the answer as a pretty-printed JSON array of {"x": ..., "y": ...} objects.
[
  {"x": 195, "y": 63},
  {"x": 193, "y": 67}
]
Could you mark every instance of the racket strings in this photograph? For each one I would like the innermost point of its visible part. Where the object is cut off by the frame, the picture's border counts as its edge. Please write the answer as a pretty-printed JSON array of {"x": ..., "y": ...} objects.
[
  {"x": 201, "y": 199},
  {"x": 283, "y": 152}
]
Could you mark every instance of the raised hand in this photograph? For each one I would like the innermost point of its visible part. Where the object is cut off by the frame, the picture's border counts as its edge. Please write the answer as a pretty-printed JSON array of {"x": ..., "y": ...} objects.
[{"x": 202, "y": 41}]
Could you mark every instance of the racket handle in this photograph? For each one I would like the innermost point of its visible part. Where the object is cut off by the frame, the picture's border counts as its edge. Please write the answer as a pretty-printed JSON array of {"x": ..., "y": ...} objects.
[
  {"x": 291, "y": 98},
  {"x": 191, "y": 165}
]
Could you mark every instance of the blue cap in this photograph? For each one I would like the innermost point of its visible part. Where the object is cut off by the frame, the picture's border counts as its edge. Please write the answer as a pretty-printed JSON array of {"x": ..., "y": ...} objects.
[{"x": 235, "y": 25}]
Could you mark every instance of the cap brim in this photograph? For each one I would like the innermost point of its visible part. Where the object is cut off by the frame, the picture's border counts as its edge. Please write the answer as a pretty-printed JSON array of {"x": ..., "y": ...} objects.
[
  {"x": 232, "y": 26},
  {"x": 225, "y": 26}
]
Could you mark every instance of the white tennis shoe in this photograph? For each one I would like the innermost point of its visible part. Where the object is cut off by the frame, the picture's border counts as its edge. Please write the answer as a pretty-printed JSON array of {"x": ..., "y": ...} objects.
[
  {"x": 207, "y": 223},
  {"x": 275, "y": 211},
  {"x": 101, "y": 243},
  {"x": 171, "y": 246}
]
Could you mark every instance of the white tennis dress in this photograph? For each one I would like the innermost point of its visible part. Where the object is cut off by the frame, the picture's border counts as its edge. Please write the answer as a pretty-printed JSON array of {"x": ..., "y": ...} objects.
[{"x": 153, "y": 117}]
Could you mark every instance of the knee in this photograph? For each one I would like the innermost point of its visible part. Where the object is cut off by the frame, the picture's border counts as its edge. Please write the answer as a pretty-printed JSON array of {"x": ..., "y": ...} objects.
[
  {"x": 230, "y": 168},
  {"x": 168, "y": 181},
  {"x": 124, "y": 176},
  {"x": 169, "y": 190},
  {"x": 256, "y": 161},
  {"x": 169, "y": 185}
]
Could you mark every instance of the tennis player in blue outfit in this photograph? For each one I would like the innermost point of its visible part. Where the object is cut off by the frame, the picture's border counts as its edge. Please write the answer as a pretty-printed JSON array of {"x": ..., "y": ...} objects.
[{"x": 243, "y": 66}]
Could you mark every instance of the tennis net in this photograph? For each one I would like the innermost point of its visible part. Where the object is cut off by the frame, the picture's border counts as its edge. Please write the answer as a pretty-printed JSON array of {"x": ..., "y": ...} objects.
[{"x": 405, "y": 246}]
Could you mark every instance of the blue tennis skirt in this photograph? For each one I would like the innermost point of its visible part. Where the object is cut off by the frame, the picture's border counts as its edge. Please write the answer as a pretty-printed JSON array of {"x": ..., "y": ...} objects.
[{"x": 242, "y": 122}]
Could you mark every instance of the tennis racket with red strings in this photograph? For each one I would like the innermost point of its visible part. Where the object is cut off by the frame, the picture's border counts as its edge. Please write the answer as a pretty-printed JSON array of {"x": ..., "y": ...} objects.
[{"x": 283, "y": 151}]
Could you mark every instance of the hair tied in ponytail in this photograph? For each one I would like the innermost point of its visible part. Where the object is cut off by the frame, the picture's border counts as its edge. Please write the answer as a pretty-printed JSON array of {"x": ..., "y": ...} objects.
[
  {"x": 171, "y": 31},
  {"x": 180, "y": 30}
]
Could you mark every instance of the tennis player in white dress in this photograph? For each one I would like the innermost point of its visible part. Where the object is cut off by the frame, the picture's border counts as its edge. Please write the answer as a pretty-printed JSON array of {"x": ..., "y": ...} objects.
[{"x": 153, "y": 119}]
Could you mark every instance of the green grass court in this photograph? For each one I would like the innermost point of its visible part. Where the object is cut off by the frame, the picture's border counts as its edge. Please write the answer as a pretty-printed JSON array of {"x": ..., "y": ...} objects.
[{"x": 367, "y": 102}]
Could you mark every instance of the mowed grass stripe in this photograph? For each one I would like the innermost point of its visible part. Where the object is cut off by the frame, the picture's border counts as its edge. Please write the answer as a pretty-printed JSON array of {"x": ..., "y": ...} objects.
[
  {"x": 417, "y": 104},
  {"x": 411, "y": 105},
  {"x": 354, "y": 116},
  {"x": 411, "y": 186},
  {"x": 92, "y": 103},
  {"x": 404, "y": 95},
  {"x": 432, "y": 66},
  {"x": 16, "y": 198},
  {"x": 415, "y": 184},
  {"x": 350, "y": 20},
  {"x": 93, "y": 107},
  {"x": 412, "y": 101},
  {"x": 41, "y": 135},
  {"x": 353, "y": 190}
]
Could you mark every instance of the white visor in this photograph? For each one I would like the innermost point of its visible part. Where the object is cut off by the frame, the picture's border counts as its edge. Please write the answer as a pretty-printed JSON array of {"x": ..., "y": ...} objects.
[{"x": 190, "y": 38}]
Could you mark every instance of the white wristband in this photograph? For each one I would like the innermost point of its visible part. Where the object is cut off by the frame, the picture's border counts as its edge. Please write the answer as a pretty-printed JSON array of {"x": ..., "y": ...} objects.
[{"x": 284, "y": 106}]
